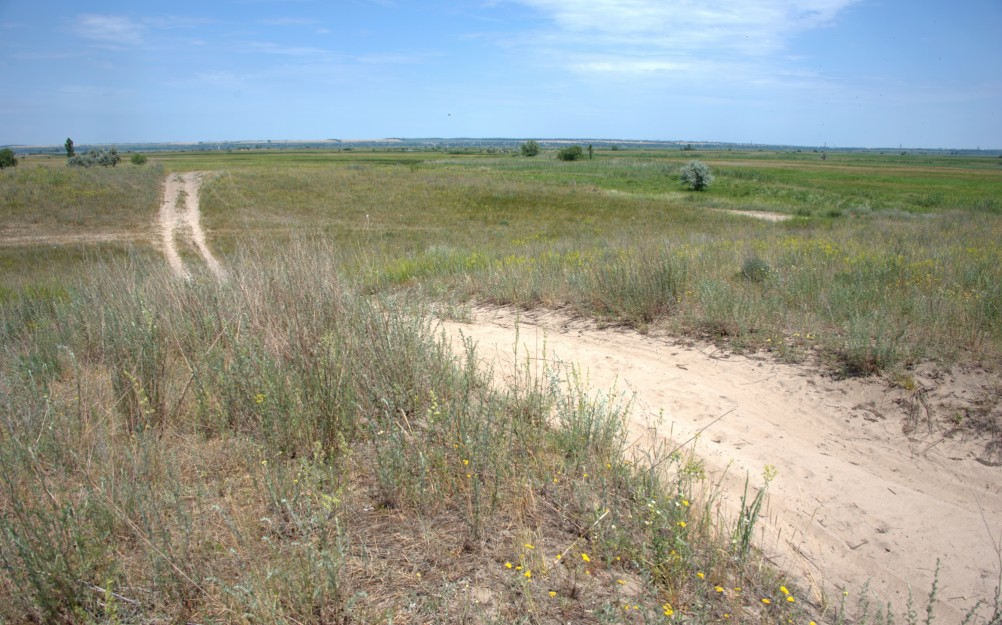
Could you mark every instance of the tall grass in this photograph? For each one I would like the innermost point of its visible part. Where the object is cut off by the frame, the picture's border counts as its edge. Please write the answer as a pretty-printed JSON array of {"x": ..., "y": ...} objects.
[
  {"x": 868, "y": 290},
  {"x": 298, "y": 444},
  {"x": 277, "y": 448}
]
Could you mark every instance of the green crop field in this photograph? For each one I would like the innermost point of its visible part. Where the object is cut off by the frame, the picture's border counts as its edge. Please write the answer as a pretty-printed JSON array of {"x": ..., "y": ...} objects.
[{"x": 296, "y": 445}]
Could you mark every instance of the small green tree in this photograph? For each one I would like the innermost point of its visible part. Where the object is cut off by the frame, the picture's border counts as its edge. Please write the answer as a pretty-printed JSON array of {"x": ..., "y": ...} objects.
[
  {"x": 571, "y": 153},
  {"x": 591, "y": 151},
  {"x": 7, "y": 158},
  {"x": 70, "y": 152},
  {"x": 696, "y": 176},
  {"x": 138, "y": 159},
  {"x": 529, "y": 148}
]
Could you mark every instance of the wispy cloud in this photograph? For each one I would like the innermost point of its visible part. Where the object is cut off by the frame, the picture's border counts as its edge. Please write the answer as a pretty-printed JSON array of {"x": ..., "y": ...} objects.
[
  {"x": 266, "y": 47},
  {"x": 681, "y": 38},
  {"x": 751, "y": 26},
  {"x": 110, "y": 29},
  {"x": 314, "y": 54},
  {"x": 118, "y": 31}
]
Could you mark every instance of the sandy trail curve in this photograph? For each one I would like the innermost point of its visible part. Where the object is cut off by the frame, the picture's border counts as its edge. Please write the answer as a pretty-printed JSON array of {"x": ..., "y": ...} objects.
[
  {"x": 177, "y": 218},
  {"x": 855, "y": 498}
]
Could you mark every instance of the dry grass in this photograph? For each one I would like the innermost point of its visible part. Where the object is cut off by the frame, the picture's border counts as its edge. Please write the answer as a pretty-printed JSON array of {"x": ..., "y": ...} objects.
[{"x": 296, "y": 445}]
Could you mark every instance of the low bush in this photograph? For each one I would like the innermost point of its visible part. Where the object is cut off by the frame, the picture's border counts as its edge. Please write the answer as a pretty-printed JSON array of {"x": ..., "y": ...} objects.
[
  {"x": 101, "y": 157},
  {"x": 696, "y": 176},
  {"x": 571, "y": 153}
]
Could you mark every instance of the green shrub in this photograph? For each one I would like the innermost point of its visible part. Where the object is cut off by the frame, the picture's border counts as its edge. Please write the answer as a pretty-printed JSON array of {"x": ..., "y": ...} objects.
[
  {"x": 755, "y": 269},
  {"x": 7, "y": 158},
  {"x": 696, "y": 176},
  {"x": 529, "y": 148},
  {"x": 104, "y": 158},
  {"x": 138, "y": 159},
  {"x": 571, "y": 153}
]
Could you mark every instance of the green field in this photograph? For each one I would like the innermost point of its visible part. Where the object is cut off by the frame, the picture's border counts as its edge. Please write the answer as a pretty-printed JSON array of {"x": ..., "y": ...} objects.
[
  {"x": 295, "y": 444},
  {"x": 885, "y": 263}
]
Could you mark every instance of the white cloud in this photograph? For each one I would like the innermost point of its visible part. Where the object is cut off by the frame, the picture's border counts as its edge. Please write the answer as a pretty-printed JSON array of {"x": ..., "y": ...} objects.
[
  {"x": 110, "y": 29},
  {"x": 117, "y": 31},
  {"x": 751, "y": 25},
  {"x": 284, "y": 50}
]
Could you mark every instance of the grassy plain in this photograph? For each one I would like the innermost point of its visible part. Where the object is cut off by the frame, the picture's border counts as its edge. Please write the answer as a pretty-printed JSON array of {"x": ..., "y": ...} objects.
[
  {"x": 883, "y": 263},
  {"x": 295, "y": 445}
]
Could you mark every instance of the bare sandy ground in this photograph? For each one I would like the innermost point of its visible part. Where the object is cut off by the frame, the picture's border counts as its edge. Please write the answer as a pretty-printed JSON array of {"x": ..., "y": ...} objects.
[
  {"x": 764, "y": 215},
  {"x": 870, "y": 485},
  {"x": 179, "y": 218}
]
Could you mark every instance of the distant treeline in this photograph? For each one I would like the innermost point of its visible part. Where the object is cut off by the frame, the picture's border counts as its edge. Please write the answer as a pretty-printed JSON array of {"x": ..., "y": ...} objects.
[{"x": 490, "y": 145}]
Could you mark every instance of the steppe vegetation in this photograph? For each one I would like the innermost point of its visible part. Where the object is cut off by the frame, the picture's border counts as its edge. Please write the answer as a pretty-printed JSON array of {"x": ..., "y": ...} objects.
[{"x": 297, "y": 445}]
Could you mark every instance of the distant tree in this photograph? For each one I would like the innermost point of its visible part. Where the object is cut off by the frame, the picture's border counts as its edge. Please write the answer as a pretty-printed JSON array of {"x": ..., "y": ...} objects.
[
  {"x": 529, "y": 148},
  {"x": 696, "y": 176},
  {"x": 7, "y": 158},
  {"x": 138, "y": 159},
  {"x": 70, "y": 152},
  {"x": 591, "y": 151},
  {"x": 571, "y": 153}
]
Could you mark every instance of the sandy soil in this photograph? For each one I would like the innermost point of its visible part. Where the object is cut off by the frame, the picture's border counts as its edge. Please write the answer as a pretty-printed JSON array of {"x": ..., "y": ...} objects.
[
  {"x": 871, "y": 485},
  {"x": 177, "y": 218},
  {"x": 767, "y": 216}
]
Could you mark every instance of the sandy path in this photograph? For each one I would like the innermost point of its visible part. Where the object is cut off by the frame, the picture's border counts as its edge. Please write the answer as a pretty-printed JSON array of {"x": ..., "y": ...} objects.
[
  {"x": 855, "y": 498},
  {"x": 764, "y": 215},
  {"x": 177, "y": 218}
]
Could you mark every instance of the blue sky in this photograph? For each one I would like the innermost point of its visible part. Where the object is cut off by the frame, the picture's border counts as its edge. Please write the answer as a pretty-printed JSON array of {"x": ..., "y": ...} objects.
[{"x": 866, "y": 73}]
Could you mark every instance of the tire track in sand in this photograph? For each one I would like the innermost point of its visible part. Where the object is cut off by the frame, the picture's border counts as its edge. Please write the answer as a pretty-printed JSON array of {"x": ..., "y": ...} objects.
[
  {"x": 179, "y": 216},
  {"x": 855, "y": 499}
]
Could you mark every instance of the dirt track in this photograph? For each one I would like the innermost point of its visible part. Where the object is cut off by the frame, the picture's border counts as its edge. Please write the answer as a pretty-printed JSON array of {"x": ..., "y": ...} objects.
[
  {"x": 177, "y": 218},
  {"x": 855, "y": 497}
]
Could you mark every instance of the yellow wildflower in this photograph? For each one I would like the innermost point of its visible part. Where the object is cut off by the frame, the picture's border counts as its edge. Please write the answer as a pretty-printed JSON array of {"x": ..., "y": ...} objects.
[
  {"x": 783, "y": 590},
  {"x": 553, "y": 593},
  {"x": 701, "y": 575},
  {"x": 766, "y": 600},
  {"x": 528, "y": 574},
  {"x": 790, "y": 599},
  {"x": 584, "y": 556},
  {"x": 507, "y": 565}
]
